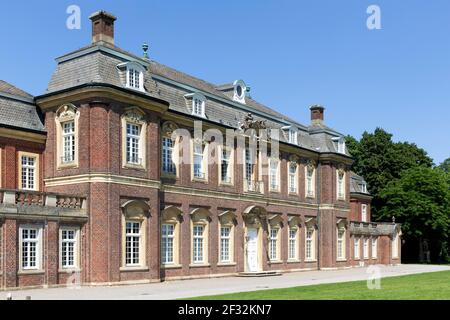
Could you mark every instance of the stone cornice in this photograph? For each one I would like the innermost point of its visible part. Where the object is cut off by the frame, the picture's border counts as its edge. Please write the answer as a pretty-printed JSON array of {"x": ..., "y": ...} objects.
[{"x": 22, "y": 134}]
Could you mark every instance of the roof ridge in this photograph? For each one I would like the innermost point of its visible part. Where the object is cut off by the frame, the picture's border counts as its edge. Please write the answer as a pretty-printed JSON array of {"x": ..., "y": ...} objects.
[{"x": 12, "y": 90}]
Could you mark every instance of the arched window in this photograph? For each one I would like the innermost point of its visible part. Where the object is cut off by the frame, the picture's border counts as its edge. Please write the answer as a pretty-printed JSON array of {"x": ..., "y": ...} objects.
[
  {"x": 134, "y": 234},
  {"x": 66, "y": 121},
  {"x": 170, "y": 236},
  {"x": 134, "y": 128},
  {"x": 200, "y": 219}
]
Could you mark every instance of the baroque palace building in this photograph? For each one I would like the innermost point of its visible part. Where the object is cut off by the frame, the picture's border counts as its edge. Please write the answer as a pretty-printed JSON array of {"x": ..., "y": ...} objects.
[{"x": 98, "y": 186}]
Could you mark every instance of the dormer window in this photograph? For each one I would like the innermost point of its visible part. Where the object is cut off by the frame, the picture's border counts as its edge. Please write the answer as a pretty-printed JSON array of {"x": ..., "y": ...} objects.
[
  {"x": 363, "y": 187},
  {"x": 293, "y": 136},
  {"x": 339, "y": 143},
  {"x": 239, "y": 91},
  {"x": 198, "y": 103},
  {"x": 132, "y": 75}
]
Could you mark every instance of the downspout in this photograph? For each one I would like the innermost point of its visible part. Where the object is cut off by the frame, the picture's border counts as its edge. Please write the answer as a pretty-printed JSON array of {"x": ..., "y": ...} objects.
[{"x": 319, "y": 195}]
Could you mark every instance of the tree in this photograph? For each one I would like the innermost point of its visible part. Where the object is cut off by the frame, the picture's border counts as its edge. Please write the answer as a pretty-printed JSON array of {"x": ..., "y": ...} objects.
[
  {"x": 380, "y": 160},
  {"x": 445, "y": 165},
  {"x": 420, "y": 201}
]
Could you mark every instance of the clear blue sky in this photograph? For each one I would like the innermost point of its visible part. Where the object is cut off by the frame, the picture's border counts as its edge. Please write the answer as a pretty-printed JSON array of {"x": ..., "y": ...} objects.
[{"x": 292, "y": 54}]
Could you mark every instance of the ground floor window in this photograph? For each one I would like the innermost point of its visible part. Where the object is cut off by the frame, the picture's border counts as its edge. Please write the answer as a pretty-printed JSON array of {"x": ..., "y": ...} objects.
[
  {"x": 273, "y": 244},
  {"x": 132, "y": 243},
  {"x": 292, "y": 244},
  {"x": 366, "y": 248},
  {"x": 198, "y": 243},
  {"x": 374, "y": 248},
  {"x": 356, "y": 248},
  {"x": 69, "y": 247},
  {"x": 341, "y": 244},
  {"x": 167, "y": 243},
  {"x": 225, "y": 244},
  {"x": 30, "y": 245},
  {"x": 309, "y": 244}
]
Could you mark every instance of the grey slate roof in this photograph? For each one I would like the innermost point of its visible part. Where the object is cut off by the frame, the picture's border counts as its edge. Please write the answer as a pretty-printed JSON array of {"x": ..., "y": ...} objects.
[
  {"x": 97, "y": 63},
  {"x": 18, "y": 110},
  {"x": 356, "y": 182}
]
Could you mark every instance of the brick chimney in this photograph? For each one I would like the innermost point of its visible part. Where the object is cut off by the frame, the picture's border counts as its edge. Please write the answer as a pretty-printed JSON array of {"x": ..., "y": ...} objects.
[
  {"x": 102, "y": 27},
  {"x": 317, "y": 113}
]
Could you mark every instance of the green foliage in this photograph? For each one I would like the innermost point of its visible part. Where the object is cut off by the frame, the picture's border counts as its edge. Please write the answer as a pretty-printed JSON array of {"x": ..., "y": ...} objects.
[{"x": 445, "y": 165}]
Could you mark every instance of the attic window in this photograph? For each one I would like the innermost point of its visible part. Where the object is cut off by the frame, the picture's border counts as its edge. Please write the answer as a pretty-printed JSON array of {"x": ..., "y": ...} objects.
[
  {"x": 197, "y": 103},
  {"x": 132, "y": 74},
  {"x": 293, "y": 136},
  {"x": 239, "y": 91},
  {"x": 363, "y": 187},
  {"x": 339, "y": 143}
]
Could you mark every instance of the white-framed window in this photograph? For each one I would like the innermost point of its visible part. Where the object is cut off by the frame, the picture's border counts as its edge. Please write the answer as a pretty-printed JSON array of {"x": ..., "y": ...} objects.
[
  {"x": 364, "y": 212},
  {"x": 239, "y": 91},
  {"x": 339, "y": 144},
  {"x": 69, "y": 247},
  {"x": 310, "y": 244},
  {"x": 341, "y": 243},
  {"x": 198, "y": 106},
  {"x": 356, "y": 247},
  {"x": 249, "y": 164},
  {"x": 30, "y": 247},
  {"x": 132, "y": 243},
  {"x": 199, "y": 165},
  {"x": 168, "y": 166},
  {"x": 225, "y": 243},
  {"x": 274, "y": 175},
  {"x": 225, "y": 166},
  {"x": 341, "y": 184},
  {"x": 135, "y": 77},
  {"x": 374, "y": 248},
  {"x": 198, "y": 243},
  {"x": 293, "y": 136},
  {"x": 28, "y": 172},
  {"x": 366, "y": 248},
  {"x": 292, "y": 177},
  {"x": 167, "y": 243},
  {"x": 292, "y": 244},
  {"x": 395, "y": 246},
  {"x": 363, "y": 187},
  {"x": 133, "y": 143},
  {"x": 68, "y": 140},
  {"x": 273, "y": 244},
  {"x": 310, "y": 181}
]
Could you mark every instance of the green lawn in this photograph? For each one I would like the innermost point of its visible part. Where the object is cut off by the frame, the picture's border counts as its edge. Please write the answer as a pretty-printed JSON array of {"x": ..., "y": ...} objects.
[{"x": 425, "y": 286}]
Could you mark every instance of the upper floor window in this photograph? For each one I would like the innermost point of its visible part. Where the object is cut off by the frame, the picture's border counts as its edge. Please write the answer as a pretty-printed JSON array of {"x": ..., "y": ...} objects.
[
  {"x": 134, "y": 128},
  {"x": 239, "y": 91},
  {"x": 29, "y": 171},
  {"x": 341, "y": 184},
  {"x": 133, "y": 75},
  {"x": 293, "y": 136},
  {"x": 363, "y": 187},
  {"x": 310, "y": 173},
  {"x": 169, "y": 166},
  {"x": 67, "y": 136},
  {"x": 274, "y": 175},
  {"x": 364, "y": 213},
  {"x": 292, "y": 177},
  {"x": 226, "y": 167},
  {"x": 339, "y": 144},
  {"x": 133, "y": 143},
  {"x": 199, "y": 166}
]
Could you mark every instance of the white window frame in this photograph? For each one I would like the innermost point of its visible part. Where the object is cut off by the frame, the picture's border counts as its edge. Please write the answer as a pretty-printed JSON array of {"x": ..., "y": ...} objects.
[
  {"x": 168, "y": 251},
  {"x": 340, "y": 246},
  {"x": 135, "y": 76},
  {"x": 395, "y": 246},
  {"x": 228, "y": 162},
  {"x": 133, "y": 144},
  {"x": 292, "y": 177},
  {"x": 69, "y": 242},
  {"x": 226, "y": 242},
  {"x": 201, "y": 174},
  {"x": 26, "y": 264},
  {"x": 274, "y": 174},
  {"x": 356, "y": 248},
  {"x": 29, "y": 174},
  {"x": 310, "y": 239},
  {"x": 374, "y": 248},
  {"x": 134, "y": 116},
  {"x": 168, "y": 165},
  {"x": 366, "y": 248},
  {"x": 293, "y": 136},
  {"x": 293, "y": 243},
  {"x": 130, "y": 260},
  {"x": 68, "y": 141},
  {"x": 340, "y": 180},
  {"x": 309, "y": 182},
  {"x": 274, "y": 235},
  {"x": 364, "y": 212},
  {"x": 198, "y": 244}
]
